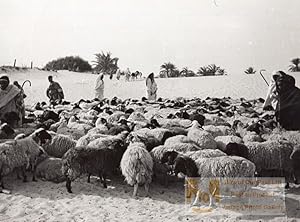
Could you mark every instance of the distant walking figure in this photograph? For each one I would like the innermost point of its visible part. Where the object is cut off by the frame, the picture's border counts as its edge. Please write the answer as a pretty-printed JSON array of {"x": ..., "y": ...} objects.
[
  {"x": 118, "y": 74},
  {"x": 99, "y": 88},
  {"x": 151, "y": 87},
  {"x": 54, "y": 92}
]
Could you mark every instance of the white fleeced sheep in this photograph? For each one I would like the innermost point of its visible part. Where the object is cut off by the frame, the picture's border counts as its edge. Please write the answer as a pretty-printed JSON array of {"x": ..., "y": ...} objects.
[
  {"x": 113, "y": 118},
  {"x": 137, "y": 116},
  {"x": 137, "y": 166},
  {"x": 108, "y": 140},
  {"x": 215, "y": 120},
  {"x": 225, "y": 166},
  {"x": 206, "y": 153},
  {"x": 251, "y": 137},
  {"x": 218, "y": 130},
  {"x": 271, "y": 155},
  {"x": 21, "y": 154},
  {"x": 184, "y": 123},
  {"x": 50, "y": 170},
  {"x": 201, "y": 137},
  {"x": 78, "y": 125},
  {"x": 88, "y": 138},
  {"x": 59, "y": 145},
  {"x": 222, "y": 141}
]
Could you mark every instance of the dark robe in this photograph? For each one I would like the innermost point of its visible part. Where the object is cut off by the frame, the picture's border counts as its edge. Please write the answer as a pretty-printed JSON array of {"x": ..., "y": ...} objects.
[{"x": 288, "y": 109}]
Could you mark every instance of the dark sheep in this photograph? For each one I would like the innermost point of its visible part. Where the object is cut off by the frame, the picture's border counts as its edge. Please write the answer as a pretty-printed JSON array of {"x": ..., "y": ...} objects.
[
  {"x": 181, "y": 164},
  {"x": 6, "y": 132},
  {"x": 295, "y": 157},
  {"x": 237, "y": 149},
  {"x": 255, "y": 127},
  {"x": 91, "y": 161},
  {"x": 197, "y": 116},
  {"x": 11, "y": 118},
  {"x": 98, "y": 161},
  {"x": 49, "y": 114}
]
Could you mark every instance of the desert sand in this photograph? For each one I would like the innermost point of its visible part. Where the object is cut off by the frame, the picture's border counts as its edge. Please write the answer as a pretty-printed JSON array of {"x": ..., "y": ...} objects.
[{"x": 47, "y": 201}]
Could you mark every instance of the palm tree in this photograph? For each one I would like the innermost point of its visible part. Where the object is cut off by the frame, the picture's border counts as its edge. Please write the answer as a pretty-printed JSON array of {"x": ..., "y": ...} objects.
[
  {"x": 250, "y": 70},
  {"x": 211, "y": 70},
  {"x": 168, "y": 69},
  {"x": 105, "y": 63},
  {"x": 186, "y": 72},
  {"x": 295, "y": 65}
]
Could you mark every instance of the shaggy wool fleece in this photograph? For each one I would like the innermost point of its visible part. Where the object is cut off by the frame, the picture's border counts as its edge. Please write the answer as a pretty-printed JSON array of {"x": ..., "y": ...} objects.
[{"x": 137, "y": 164}]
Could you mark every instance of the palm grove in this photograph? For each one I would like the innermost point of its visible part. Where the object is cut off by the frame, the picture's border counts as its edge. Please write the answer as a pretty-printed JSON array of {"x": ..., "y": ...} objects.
[{"x": 105, "y": 63}]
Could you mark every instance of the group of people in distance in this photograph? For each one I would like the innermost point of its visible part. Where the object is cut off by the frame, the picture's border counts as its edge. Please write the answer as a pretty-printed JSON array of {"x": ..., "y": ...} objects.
[
  {"x": 150, "y": 84},
  {"x": 12, "y": 95}
]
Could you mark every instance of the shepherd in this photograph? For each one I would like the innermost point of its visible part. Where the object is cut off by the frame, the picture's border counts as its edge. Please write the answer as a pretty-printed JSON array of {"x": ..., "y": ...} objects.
[
  {"x": 11, "y": 101},
  {"x": 99, "y": 88},
  {"x": 285, "y": 96},
  {"x": 54, "y": 92},
  {"x": 151, "y": 87}
]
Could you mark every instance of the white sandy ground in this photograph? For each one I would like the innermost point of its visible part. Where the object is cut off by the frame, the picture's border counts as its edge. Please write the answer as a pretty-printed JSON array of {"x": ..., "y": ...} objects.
[
  {"x": 78, "y": 86},
  {"x": 46, "y": 201}
]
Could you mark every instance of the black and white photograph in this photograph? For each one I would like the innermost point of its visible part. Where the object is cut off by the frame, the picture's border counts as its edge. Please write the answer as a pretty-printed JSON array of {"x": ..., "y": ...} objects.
[{"x": 161, "y": 110}]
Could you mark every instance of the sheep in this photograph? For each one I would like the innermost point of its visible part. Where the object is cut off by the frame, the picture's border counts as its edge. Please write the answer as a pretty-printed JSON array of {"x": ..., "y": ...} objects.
[
  {"x": 91, "y": 161},
  {"x": 6, "y": 132},
  {"x": 218, "y": 130},
  {"x": 206, "y": 153},
  {"x": 236, "y": 149},
  {"x": 50, "y": 170},
  {"x": 160, "y": 170},
  {"x": 151, "y": 138},
  {"x": 201, "y": 137},
  {"x": 85, "y": 140},
  {"x": 295, "y": 157},
  {"x": 272, "y": 157},
  {"x": 59, "y": 145},
  {"x": 137, "y": 166},
  {"x": 22, "y": 154},
  {"x": 222, "y": 141}
]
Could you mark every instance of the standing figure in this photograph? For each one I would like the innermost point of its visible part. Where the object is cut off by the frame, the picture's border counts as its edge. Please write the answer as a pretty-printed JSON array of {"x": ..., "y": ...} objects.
[
  {"x": 99, "y": 88},
  {"x": 11, "y": 102},
  {"x": 118, "y": 74},
  {"x": 54, "y": 92},
  {"x": 151, "y": 87}
]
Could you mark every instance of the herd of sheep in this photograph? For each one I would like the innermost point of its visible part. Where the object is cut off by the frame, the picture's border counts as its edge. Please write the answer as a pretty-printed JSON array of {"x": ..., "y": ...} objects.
[{"x": 146, "y": 141}]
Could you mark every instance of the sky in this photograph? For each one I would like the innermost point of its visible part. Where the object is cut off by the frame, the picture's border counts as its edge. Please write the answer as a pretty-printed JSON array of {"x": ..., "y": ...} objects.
[{"x": 144, "y": 34}]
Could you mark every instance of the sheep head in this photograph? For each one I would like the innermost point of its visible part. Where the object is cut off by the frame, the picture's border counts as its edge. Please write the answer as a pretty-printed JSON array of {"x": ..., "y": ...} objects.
[{"x": 41, "y": 136}]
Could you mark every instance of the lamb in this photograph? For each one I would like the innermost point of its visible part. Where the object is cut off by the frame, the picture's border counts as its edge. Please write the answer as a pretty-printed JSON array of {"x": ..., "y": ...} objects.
[
  {"x": 21, "y": 154},
  {"x": 92, "y": 161},
  {"x": 201, "y": 137},
  {"x": 59, "y": 145},
  {"x": 137, "y": 166}
]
